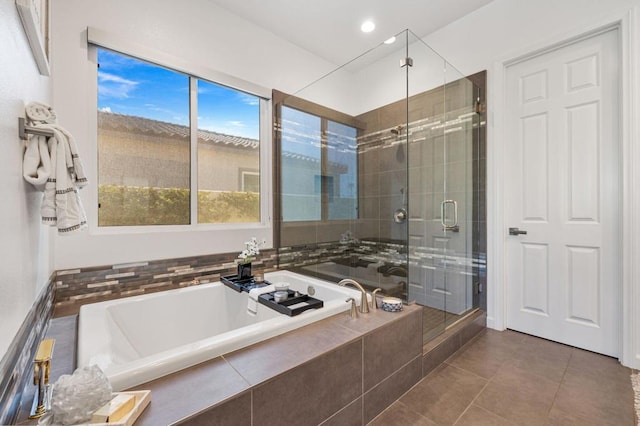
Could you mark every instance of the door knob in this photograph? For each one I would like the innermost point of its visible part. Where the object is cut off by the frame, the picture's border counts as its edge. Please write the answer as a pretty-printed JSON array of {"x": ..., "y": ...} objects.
[{"x": 517, "y": 231}]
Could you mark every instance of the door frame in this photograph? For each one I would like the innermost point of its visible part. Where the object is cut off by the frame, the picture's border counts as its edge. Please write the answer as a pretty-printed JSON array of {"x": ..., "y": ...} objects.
[{"x": 629, "y": 49}]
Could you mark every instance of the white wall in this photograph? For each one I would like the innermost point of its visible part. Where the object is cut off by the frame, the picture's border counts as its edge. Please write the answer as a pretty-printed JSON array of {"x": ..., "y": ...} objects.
[
  {"x": 474, "y": 43},
  {"x": 503, "y": 27},
  {"x": 197, "y": 32},
  {"x": 503, "y": 30},
  {"x": 24, "y": 251}
]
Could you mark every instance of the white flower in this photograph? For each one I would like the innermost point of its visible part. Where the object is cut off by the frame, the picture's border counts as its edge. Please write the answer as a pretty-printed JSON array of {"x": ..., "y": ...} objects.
[{"x": 252, "y": 249}]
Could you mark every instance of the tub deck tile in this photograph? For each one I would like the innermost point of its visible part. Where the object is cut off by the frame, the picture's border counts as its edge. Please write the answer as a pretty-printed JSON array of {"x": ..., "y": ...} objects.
[
  {"x": 190, "y": 391},
  {"x": 272, "y": 357}
]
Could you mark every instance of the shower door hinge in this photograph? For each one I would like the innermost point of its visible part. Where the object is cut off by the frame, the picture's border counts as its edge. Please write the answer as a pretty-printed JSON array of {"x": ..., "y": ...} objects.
[
  {"x": 478, "y": 107},
  {"x": 406, "y": 61}
]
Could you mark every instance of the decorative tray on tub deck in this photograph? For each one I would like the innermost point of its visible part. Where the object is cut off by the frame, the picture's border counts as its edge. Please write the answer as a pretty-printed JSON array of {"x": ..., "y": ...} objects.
[
  {"x": 241, "y": 285},
  {"x": 294, "y": 305}
]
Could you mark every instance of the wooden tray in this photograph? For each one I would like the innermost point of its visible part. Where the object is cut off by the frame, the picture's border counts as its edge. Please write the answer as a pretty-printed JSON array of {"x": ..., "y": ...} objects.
[{"x": 143, "y": 398}]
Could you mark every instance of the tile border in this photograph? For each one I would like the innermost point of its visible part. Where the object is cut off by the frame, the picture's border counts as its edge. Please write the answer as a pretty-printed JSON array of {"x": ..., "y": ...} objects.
[{"x": 14, "y": 366}]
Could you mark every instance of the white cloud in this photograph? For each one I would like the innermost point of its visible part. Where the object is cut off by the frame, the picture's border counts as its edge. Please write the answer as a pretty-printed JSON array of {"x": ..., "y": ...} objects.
[
  {"x": 249, "y": 99},
  {"x": 106, "y": 109},
  {"x": 114, "y": 86},
  {"x": 236, "y": 123}
]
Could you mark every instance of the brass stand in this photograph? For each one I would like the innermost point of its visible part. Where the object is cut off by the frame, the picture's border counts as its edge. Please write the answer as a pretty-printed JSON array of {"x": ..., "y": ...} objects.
[{"x": 41, "y": 370}]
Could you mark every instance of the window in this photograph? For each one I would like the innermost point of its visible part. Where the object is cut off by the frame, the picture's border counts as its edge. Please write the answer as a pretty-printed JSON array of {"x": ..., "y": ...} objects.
[
  {"x": 318, "y": 168},
  {"x": 250, "y": 181},
  {"x": 146, "y": 124}
]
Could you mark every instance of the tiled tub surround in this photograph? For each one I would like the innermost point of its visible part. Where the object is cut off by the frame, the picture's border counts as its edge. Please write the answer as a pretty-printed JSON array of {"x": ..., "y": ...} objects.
[
  {"x": 337, "y": 371},
  {"x": 71, "y": 289},
  {"x": 198, "y": 323},
  {"x": 77, "y": 287},
  {"x": 355, "y": 259},
  {"x": 16, "y": 365}
]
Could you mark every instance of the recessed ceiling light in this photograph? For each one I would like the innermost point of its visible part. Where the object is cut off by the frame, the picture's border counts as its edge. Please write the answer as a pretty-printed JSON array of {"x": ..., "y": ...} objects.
[
  {"x": 390, "y": 40},
  {"x": 367, "y": 26}
]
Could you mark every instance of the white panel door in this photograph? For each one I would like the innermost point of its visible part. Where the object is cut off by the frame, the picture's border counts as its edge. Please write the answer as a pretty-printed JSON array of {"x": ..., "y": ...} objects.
[{"x": 562, "y": 188}]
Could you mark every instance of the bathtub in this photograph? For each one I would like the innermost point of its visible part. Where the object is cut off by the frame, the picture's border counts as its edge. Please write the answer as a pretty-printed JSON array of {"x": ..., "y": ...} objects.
[{"x": 138, "y": 339}]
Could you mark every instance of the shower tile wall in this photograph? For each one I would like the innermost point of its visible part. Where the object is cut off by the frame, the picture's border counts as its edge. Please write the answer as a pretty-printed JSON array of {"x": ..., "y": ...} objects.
[
  {"x": 382, "y": 172},
  {"x": 441, "y": 161}
]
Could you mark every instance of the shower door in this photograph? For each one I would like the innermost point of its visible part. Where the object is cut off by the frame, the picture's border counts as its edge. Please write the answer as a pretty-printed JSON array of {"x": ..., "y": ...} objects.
[{"x": 441, "y": 176}]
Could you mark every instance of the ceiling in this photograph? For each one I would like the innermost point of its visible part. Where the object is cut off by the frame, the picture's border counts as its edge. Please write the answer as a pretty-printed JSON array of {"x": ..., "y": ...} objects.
[{"x": 330, "y": 29}]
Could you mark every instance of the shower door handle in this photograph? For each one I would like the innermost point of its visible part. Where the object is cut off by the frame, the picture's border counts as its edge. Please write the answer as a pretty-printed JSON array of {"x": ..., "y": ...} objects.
[{"x": 443, "y": 210}]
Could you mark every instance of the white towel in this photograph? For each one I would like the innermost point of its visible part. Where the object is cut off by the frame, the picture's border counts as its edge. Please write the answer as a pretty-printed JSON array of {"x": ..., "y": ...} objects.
[
  {"x": 57, "y": 168},
  {"x": 61, "y": 205},
  {"x": 252, "y": 306},
  {"x": 36, "y": 167}
]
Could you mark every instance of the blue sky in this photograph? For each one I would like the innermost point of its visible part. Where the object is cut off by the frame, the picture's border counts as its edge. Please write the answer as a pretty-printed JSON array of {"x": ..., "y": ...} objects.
[{"x": 133, "y": 87}]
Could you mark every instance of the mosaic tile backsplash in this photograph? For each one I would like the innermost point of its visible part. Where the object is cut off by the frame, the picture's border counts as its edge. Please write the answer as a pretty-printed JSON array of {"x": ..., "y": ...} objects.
[
  {"x": 15, "y": 366},
  {"x": 77, "y": 287}
]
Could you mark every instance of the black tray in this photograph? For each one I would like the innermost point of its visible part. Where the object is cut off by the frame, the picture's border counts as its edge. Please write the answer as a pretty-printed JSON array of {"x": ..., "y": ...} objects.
[
  {"x": 286, "y": 306},
  {"x": 239, "y": 285}
]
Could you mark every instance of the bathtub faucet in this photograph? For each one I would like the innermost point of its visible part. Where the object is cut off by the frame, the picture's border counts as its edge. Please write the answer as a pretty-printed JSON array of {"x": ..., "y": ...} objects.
[{"x": 364, "y": 302}]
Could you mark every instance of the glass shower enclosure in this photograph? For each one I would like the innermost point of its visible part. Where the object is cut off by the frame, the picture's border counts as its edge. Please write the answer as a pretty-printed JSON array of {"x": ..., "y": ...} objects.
[{"x": 380, "y": 178}]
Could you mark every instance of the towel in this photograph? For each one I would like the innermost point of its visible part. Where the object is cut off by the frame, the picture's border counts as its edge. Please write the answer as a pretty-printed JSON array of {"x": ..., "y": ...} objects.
[
  {"x": 36, "y": 165},
  {"x": 55, "y": 167},
  {"x": 252, "y": 306}
]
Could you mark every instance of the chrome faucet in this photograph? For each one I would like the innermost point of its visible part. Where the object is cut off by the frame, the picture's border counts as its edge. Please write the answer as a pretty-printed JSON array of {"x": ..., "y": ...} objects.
[{"x": 364, "y": 301}]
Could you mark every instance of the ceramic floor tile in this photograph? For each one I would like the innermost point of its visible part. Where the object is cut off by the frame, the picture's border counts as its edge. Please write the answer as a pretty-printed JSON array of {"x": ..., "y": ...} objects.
[
  {"x": 605, "y": 401},
  {"x": 482, "y": 357},
  {"x": 506, "y": 338},
  {"x": 445, "y": 394},
  {"x": 542, "y": 357},
  {"x": 560, "y": 418},
  {"x": 598, "y": 366},
  {"x": 399, "y": 414},
  {"x": 519, "y": 396},
  {"x": 477, "y": 416},
  {"x": 530, "y": 381}
]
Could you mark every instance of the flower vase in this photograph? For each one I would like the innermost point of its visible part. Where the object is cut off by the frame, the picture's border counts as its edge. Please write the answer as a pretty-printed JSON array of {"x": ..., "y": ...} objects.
[{"x": 244, "y": 271}]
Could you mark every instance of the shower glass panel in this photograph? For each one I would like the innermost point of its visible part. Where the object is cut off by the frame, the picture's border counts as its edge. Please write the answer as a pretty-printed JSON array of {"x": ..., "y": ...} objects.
[
  {"x": 375, "y": 178},
  {"x": 300, "y": 200},
  {"x": 441, "y": 136},
  {"x": 341, "y": 147}
]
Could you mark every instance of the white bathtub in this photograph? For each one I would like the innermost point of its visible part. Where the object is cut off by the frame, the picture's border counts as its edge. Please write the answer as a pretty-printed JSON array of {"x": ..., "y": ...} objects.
[{"x": 138, "y": 339}]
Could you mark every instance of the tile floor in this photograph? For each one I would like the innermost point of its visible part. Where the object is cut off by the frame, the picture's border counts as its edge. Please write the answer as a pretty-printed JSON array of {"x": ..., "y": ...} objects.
[{"x": 509, "y": 378}]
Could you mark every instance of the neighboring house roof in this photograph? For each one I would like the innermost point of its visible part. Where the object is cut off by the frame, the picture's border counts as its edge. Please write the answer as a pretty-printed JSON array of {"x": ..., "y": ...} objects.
[{"x": 132, "y": 123}]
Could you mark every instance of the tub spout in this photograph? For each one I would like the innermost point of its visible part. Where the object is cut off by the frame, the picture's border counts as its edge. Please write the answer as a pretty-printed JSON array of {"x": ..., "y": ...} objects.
[{"x": 364, "y": 301}]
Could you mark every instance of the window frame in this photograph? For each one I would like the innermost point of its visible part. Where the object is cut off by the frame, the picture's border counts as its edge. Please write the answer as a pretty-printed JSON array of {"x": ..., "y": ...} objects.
[
  {"x": 243, "y": 174},
  {"x": 326, "y": 195},
  {"x": 98, "y": 39}
]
